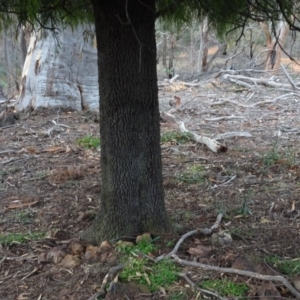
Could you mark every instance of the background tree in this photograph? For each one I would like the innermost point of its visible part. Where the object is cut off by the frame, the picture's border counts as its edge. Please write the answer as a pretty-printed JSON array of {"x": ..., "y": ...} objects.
[{"x": 132, "y": 198}]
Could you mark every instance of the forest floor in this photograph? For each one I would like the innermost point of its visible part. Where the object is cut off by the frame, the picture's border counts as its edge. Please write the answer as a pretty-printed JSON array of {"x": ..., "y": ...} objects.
[{"x": 49, "y": 191}]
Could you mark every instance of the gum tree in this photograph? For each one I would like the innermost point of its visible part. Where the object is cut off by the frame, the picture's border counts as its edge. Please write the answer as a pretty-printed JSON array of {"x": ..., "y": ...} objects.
[{"x": 132, "y": 198}]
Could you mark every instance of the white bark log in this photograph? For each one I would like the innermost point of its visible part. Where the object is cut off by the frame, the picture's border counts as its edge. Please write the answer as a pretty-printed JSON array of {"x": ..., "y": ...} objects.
[
  {"x": 64, "y": 74},
  {"x": 213, "y": 145}
]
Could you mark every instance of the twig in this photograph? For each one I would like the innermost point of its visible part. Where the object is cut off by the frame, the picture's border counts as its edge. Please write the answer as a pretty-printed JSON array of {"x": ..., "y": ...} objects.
[
  {"x": 111, "y": 272},
  {"x": 233, "y": 134},
  {"x": 224, "y": 183},
  {"x": 224, "y": 118},
  {"x": 277, "y": 278},
  {"x": 10, "y": 126},
  {"x": 191, "y": 283}
]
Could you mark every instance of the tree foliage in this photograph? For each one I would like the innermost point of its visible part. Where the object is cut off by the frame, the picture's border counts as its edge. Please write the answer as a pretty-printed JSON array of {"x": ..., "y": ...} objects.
[{"x": 223, "y": 14}]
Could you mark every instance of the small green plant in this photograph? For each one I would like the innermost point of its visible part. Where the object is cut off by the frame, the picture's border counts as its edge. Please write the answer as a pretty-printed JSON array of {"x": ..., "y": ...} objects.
[
  {"x": 156, "y": 275},
  {"x": 20, "y": 238},
  {"x": 89, "y": 142},
  {"x": 14, "y": 170},
  {"x": 192, "y": 175},
  {"x": 170, "y": 244},
  {"x": 287, "y": 267},
  {"x": 244, "y": 209},
  {"x": 225, "y": 287},
  {"x": 42, "y": 174},
  {"x": 143, "y": 271},
  {"x": 271, "y": 158},
  {"x": 175, "y": 137}
]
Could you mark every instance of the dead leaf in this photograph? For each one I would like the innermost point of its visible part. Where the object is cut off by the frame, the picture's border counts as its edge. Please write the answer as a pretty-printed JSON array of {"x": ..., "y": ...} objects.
[
  {"x": 77, "y": 248},
  {"x": 200, "y": 251},
  {"x": 125, "y": 244},
  {"x": 13, "y": 206},
  {"x": 268, "y": 291},
  {"x": 54, "y": 149},
  {"x": 42, "y": 257},
  {"x": 221, "y": 238},
  {"x": 242, "y": 263},
  {"x": 91, "y": 253},
  {"x": 56, "y": 255},
  {"x": 23, "y": 296},
  {"x": 146, "y": 237},
  {"x": 105, "y": 246},
  {"x": 296, "y": 282},
  {"x": 70, "y": 261}
]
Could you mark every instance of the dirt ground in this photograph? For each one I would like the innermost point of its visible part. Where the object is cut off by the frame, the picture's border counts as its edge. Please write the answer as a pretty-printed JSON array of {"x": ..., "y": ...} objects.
[{"x": 49, "y": 183}]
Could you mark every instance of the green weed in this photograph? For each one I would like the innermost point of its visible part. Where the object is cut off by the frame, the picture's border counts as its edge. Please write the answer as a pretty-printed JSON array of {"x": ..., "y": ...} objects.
[
  {"x": 175, "y": 137},
  {"x": 287, "y": 267},
  {"x": 284, "y": 158},
  {"x": 3, "y": 173},
  {"x": 89, "y": 142},
  {"x": 244, "y": 209},
  {"x": 179, "y": 296},
  {"x": 141, "y": 247},
  {"x": 20, "y": 238},
  {"x": 271, "y": 157},
  {"x": 225, "y": 287},
  {"x": 192, "y": 175},
  {"x": 24, "y": 217}
]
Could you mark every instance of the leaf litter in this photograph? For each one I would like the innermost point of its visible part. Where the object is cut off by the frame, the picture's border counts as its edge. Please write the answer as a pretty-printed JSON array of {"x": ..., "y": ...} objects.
[{"x": 50, "y": 184}]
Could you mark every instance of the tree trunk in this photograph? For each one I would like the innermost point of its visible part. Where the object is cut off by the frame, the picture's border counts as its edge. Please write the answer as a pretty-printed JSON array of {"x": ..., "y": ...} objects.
[
  {"x": 275, "y": 45},
  {"x": 204, "y": 40},
  {"x": 23, "y": 45},
  {"x": 132, "y": 198},
  {"x": 164, "y": 51}
]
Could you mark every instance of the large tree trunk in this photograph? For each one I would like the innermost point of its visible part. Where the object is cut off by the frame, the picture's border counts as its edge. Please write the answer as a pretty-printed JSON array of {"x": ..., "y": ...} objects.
[
  {"x": 132, "y": 198},
  {"x": 60, "y": 75}
]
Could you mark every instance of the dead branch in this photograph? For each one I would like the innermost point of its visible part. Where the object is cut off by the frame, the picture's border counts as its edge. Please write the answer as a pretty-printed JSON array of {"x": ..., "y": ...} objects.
[
  {"x": 204, "y": 231},
  {"x": 211, "y": 144},
  {"x": 277, "y": 278},
  {"x": 246, "y": 81},
  {"x": 257, "y": 103},
  {"x": 288, "y": 77},
  {"x": 233, "y": 134}
]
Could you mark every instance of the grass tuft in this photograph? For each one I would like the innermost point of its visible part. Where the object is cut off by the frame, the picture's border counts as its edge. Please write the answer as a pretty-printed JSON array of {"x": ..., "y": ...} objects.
[
  {"x": 175, "y": 137},
  {"x": 143, "y": 271},
  {"x": 225, "y": 287},
  {"x": 20, "y": 238},
  {"x": 89, "y": 142}
]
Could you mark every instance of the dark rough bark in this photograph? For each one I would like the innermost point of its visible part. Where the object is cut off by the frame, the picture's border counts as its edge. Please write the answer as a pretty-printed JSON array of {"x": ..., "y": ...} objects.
[{"x": 132, "y": 199}]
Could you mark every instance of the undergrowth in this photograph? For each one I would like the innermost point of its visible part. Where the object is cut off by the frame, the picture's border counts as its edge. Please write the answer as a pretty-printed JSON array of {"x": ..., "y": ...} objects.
[
  {"x": 225, "y": 287},
  {"x": 139, "y": 269},
  {"x": 20, "y": 238}
]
